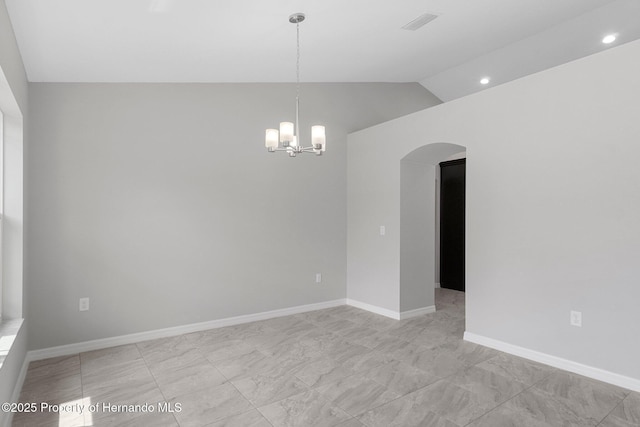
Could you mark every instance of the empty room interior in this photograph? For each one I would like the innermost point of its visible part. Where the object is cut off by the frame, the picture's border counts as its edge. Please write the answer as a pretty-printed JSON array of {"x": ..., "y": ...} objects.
[{"x": 320, "y": 213}]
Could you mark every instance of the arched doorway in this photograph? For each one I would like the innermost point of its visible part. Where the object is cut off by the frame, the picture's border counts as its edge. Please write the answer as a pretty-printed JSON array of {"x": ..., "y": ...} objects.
[{"x": 419, "y": 239}]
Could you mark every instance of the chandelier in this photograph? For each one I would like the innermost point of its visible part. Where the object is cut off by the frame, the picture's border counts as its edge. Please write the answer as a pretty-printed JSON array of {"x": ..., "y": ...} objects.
[{"x": 287, "y": 138}]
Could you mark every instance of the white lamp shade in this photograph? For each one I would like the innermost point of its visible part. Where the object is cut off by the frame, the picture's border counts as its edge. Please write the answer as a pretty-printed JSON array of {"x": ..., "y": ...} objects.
[
  {"x": 286, "y": 132},
  {"x": 271, "y": 138},
  {"x": 318, "y": 137},
  {"x": 294, "y": 142}
]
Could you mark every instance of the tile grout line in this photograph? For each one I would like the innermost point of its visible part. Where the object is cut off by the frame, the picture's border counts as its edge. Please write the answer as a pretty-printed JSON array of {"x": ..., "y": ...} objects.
[
  {"x": 418, "y": 368},
  {"x": 611, "y": 411},
  {"x": 236, "y": 388},
  {"x": 227, "y": 381},
  {"x": 264, "y": 416},
  {"x": 427, "y": 385},
  {"x": 384, "y": 331},
  {"x": 511, "y": 398},
  {"x": 84, "y": 416},
  {"x": 309, "y": 388},
  {"x": 155, "y": 380},
  {"x": 551, "y": 396}
]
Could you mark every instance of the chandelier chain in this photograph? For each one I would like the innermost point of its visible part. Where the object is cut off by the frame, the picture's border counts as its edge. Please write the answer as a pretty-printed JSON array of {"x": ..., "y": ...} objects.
[
  {"x": 297, "y": 59},
  {"x": 297, "y": 131}
]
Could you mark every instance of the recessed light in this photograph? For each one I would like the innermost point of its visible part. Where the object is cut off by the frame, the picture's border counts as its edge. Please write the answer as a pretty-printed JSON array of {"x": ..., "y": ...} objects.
[
  {"x": 485, "y": 80},
  {"x": 609, "y": 39}
]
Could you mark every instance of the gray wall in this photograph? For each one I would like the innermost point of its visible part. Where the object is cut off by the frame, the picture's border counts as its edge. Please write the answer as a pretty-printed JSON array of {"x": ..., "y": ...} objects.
[
  {"x": 552, "y": 208},
  {"x": 417, "y": 224},
  {"x": 13, "y": 103},
  {"x": 418, "y": 239},
  {"x": 160, "y": 203}
]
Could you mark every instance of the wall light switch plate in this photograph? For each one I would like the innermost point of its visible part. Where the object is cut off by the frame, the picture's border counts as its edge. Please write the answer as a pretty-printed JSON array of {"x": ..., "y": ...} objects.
[
  {"x": 318, "y": 277},
  {"x": 576, "y": 318},
  {"x": 83, "y": 304},
  {"x": 383, "y": 230}
]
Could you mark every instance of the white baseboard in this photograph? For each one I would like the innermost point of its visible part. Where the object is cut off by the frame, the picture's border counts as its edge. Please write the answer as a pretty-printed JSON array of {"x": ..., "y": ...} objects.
[
  {"x": 391, "y": 313},
  {"x": 417, "y": 312},
  {"x": 557, "y": 362},
  {"x": 374, "y": 309},
  {"x": 65, "y": 350},
  {"x": 17, "y": 388}
]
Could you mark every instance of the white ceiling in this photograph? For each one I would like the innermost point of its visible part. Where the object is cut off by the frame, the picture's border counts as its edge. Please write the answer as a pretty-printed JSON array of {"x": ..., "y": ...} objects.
[{"x": 342, "y": 40}]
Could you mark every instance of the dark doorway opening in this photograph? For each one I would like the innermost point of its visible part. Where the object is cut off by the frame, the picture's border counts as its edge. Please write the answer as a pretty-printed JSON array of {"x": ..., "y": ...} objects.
[{"x": 452, "y": 207}]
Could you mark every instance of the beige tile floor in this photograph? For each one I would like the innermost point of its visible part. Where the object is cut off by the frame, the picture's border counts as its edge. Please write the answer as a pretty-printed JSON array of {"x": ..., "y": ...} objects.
[{"x": 336, "y": 367}]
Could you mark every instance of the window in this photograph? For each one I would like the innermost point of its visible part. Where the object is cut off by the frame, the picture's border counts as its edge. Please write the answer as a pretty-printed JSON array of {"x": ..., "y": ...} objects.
[
  {"x": 1, "y": 202},
  {"x": 11, "y": 203}
]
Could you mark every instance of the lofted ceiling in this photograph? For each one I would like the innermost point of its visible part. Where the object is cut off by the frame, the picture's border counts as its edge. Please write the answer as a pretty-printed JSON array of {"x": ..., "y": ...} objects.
[{"x": 341, "y": 40}]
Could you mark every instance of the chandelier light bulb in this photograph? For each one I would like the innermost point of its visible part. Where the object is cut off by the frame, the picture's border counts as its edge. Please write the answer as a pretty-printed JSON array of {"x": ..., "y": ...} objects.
[
  {"x": 286, "y": 132},
  {"x": 271, "y": 138},
  {"x": 318, "y": 138}
]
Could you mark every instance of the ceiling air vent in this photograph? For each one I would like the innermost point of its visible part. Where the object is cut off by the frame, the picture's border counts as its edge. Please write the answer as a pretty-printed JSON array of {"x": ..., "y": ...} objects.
[{"x": 420, "y": 22}]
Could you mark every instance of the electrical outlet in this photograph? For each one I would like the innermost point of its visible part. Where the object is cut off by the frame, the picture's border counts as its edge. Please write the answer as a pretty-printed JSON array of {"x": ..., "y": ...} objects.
[
  {"x": 83, "y": 304},
  {"x": 318, "y": 277},
  {"x": 383, "y": 230},
  {"x": 576, "y": 318}
]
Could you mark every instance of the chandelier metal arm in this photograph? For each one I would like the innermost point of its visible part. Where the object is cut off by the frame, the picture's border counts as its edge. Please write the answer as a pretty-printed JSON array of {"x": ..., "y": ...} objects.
[{"x": 317, "y": 150}]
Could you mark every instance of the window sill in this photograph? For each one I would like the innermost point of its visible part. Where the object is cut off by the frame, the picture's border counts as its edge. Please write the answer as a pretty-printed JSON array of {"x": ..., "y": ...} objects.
[{"x": 8, "y": 331}]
